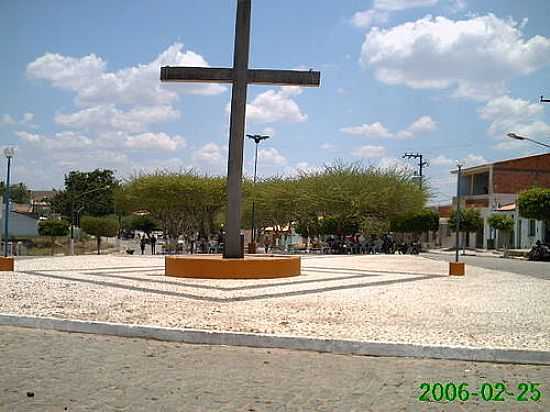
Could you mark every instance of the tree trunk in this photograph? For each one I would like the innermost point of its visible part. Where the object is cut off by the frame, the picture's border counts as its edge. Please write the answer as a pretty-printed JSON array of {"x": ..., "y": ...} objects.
[
  {"x": 99, "y": 245},
  {"x": 53, "y": 245}
]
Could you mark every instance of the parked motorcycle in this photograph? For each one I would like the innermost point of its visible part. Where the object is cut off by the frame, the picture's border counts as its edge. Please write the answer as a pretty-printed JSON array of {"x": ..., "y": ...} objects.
[{"x": 541, "y": 251}]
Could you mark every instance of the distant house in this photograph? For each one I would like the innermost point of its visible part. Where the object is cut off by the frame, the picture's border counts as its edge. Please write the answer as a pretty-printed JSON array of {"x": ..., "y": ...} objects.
[
  {"x": 494, "y": 188},
  {"x": 21, "y": 225},
  {"x": 39, "y": 201}
]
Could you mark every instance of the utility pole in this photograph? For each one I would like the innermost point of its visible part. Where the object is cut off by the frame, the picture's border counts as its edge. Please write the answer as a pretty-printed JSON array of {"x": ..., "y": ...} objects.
[{"x": 421, "y": 164}]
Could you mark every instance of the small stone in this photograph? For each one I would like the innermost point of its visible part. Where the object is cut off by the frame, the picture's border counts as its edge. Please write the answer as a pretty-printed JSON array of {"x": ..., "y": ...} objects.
[{"x": 30, "y": 394}]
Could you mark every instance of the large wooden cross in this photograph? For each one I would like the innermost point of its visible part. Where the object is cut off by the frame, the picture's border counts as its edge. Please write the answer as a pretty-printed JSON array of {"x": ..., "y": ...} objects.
[{"x": 240, "y": 76}]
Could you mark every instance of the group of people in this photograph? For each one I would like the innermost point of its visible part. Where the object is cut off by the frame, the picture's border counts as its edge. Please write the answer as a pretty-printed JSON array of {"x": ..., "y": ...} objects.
[
  {"x": 143, "y": 244},
  {"x": 359, "y": 244}
]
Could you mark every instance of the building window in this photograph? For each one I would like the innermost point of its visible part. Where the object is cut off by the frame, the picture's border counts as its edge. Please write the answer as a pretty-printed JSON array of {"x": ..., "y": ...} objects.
[{"x": 532, "y": 227}]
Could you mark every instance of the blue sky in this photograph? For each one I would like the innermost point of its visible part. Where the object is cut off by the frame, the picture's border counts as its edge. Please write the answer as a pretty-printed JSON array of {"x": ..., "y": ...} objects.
[{"x": 447, "y": 78}]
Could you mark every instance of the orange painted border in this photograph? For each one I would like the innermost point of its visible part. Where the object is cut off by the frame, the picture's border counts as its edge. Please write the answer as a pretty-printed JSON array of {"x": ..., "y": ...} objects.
[
  {"x": 215, "y": 267},
  {"x": 456, "y": 269},
  {"x": 6, "y": 264}
]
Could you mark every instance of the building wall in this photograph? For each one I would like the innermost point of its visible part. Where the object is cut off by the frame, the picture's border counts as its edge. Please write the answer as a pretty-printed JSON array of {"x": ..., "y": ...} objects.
[
  {"x": 20, "y": 225},
  {"x": 513, "y": 176}
]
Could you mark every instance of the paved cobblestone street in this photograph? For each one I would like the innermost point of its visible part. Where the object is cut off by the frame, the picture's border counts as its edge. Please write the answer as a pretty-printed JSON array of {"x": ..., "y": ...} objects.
[{"x": 52, "y": 371}]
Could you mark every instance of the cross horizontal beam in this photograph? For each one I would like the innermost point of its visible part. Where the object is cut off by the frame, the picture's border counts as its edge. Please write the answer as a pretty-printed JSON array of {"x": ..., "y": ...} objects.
[{"x": 308, "y": 78}]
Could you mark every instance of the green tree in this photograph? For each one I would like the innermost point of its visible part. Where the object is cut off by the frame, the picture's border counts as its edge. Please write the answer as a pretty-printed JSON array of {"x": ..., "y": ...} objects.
[
  {"x": 424, "y": 221},
  {"x": 535, "y": 204},
  {"x": 504, "y": 224},
  {"x": 99, "y": 227},
  {"x": 144, "y": 223},
  {"x": 53, "y": 228},
  {"x": 92, "y": 191},
  {"x": 182, "y": 203},
  {"x": 470, "y": 221},
  {"x": 19, "y": 193}
]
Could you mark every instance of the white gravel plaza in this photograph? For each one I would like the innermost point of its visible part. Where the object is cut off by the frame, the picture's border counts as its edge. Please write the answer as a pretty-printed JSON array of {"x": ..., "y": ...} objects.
[{"x": 403, "y": 299}]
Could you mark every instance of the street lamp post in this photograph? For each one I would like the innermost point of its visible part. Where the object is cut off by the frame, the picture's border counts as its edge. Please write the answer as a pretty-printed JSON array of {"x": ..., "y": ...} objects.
[
  {"x": 73, "y": 201},
  {"x": 459, "y": 174},
  {"x": 9, "y": 152},
  {"x": 257, "y": 139},
  {"x": 518, "y": 137}
]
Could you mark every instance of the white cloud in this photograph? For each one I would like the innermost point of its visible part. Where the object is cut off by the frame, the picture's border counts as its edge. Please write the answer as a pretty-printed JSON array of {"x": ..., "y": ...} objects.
[
  {"x": 210, "y": 153},
  {"x": 507, "y": 115},
  {"x": 93, "y": 84},
  {"x": 442, "y": 160},
  {"x": 28, "y": 137},
  {"x": 27, "y": 118},
  {"x": 62, "y": 141},
  {"x": 473, "y": 160},
  {"x": 275, "y": 105},
  {"x": 457, "y": 5},
  {"x": 7, "y": 120},
  {"x": 376, "y": 129},
  {"x": 388, "y": 162},
  {"x": 268, "y": 131},
  {"x": 395, "y": 5},
  {"x": 108, "y": 117},
  {"x": 155, "y": 141},
  {"x": 422, "y": 125},
  {"x": 369, "y": 152},
  {"x": 271, "y": 156},
  {"x": 327, "y": 146},
  {"x": 475, "y": 57},
  {"x": 365, "y": 19}
]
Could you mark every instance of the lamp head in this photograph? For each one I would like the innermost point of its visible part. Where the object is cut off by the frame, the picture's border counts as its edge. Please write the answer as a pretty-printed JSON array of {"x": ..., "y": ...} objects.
[
  {"x": 257, "y": 137},
  {"x": 515, "y": 136},
  {"x": 9, "y": 151}
]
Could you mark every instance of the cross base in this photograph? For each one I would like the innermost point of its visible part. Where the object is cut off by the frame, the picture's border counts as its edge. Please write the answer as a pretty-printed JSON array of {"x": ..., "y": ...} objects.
[{"x": 216, "y": 267}]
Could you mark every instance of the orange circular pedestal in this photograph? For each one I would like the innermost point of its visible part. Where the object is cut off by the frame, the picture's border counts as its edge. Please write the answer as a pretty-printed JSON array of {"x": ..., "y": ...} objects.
[{"x": 216, "y": 267}]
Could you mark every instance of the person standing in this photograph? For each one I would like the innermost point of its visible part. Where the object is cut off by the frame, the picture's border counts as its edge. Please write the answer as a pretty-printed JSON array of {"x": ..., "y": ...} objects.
[
  {"x": 142, "y": 244},
  {"x": 153, "y": 245}
]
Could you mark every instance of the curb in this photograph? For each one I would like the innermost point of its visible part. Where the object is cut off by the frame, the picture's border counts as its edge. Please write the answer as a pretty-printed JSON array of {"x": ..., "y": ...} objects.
[{"x": 336, "y": 346}]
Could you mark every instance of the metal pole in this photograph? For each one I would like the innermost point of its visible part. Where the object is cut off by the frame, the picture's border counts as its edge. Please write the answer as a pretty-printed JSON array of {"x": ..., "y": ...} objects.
[
  {"x": 458, "y": 211},
  {"x": 421, "y": 164},
  {"x": 71, "y": 242},
  {"x": 254, "y": 197},
  {"x": 7, "y": 201}
]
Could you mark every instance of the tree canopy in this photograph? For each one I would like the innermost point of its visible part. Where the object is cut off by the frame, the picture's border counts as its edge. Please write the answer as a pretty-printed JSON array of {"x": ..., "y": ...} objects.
[
  {"x": 470, "y": 220},
  {"x": 99, "y": 227},
  {"x": 535, "y": 204},
  {"x": 424, "y": 221},
  {"x": 501, "y": 222},
  {"x": 183, "y": 202},
  {"x": 19, "y": 193},
  {"x": 338, "y": 199},
  {"x": 92, "y": 192},
  {"x": 53, "y": 228}
]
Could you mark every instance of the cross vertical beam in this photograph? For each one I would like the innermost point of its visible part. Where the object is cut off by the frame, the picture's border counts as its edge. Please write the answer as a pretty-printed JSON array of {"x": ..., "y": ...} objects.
[{"x": 232, "y": 242}]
